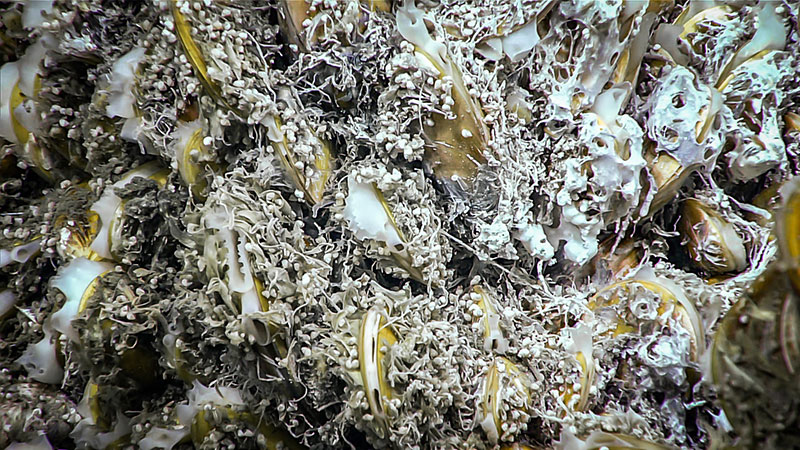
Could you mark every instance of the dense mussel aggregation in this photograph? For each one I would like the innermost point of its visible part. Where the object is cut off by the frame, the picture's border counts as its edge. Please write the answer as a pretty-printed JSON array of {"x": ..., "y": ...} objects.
[{"x": 297, "y": 224}]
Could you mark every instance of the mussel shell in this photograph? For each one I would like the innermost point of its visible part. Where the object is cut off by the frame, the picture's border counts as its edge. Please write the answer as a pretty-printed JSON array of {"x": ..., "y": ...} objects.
[
  {"x": 711, "y": 241},
  {"x": 755, "y": 363}
]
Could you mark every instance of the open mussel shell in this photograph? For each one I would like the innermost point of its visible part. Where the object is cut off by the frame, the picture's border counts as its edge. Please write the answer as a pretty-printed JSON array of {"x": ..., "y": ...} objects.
[
  {"x": 105, "y": 348},
  {"x": 194, "y": 55},
  {"x": 459, "y": 137},
  {"x": 668, "y": 176},
  {"x": 375, "y": 339},
  {"x": 370, "y": 217},
  {"x": 615, "y": 258},
  {"x": 292, "y": 15},
  {"x": 207, "y": 420},
  {"x": 103, "y": 424},
  {"x": 711, "y": 241},
  {"x": 792, "y": 122},
  {"x": 493, "y": 338},
  {"x": 195, "y": 159},
  {"x": 299, "y": 21},
  {"x": 578, "y": 401},
  {"x": 671, "y": 299},
  {"x": 109, "y": 210},
  {"x": 312, "y": 186},
  {"x": 506, "y": 392},
  {"x": 755, "y": 357}
]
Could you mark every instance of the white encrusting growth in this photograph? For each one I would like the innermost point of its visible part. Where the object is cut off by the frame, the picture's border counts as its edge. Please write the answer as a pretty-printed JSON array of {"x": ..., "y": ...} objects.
[
  {"x": 534, "y": 239},
  {"x": 612, "y": 188}
]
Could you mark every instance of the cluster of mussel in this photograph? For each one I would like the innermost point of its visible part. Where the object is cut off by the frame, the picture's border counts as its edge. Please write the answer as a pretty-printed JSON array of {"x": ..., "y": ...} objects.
[{"x": 173, "y": 305}]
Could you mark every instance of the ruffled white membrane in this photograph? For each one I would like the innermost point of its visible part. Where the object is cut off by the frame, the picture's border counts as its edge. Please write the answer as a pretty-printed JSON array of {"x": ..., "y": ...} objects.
[
  {"x": 34, "y": 11},
  {"x": 516, "y": 45},
  {"x": 7, "y": 302},
  {"x": 107, "y": 205},
  {"x": 239, "y": 272},
  {"x": 198, "y": 397},
  {"x": 9, "y": 76},
  {"x": 40, "y": 442},
  {"x": 86, "y": 432},
  {"x": 366, "y": 214},
  {"x": 494, "y": 341},
  {"x": 73, "y": 280},
  {"x": 20, "y": 74},
  {"x": 19, "y": 254},
  {"x": 120, "y": 98},
  {"x": 40, "y": 359},
  {"x": 123, "y": 78}
]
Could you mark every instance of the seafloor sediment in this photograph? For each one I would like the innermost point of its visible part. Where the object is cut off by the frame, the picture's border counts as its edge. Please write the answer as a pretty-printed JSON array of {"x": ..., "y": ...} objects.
[{"x": 397, "y": 224}]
